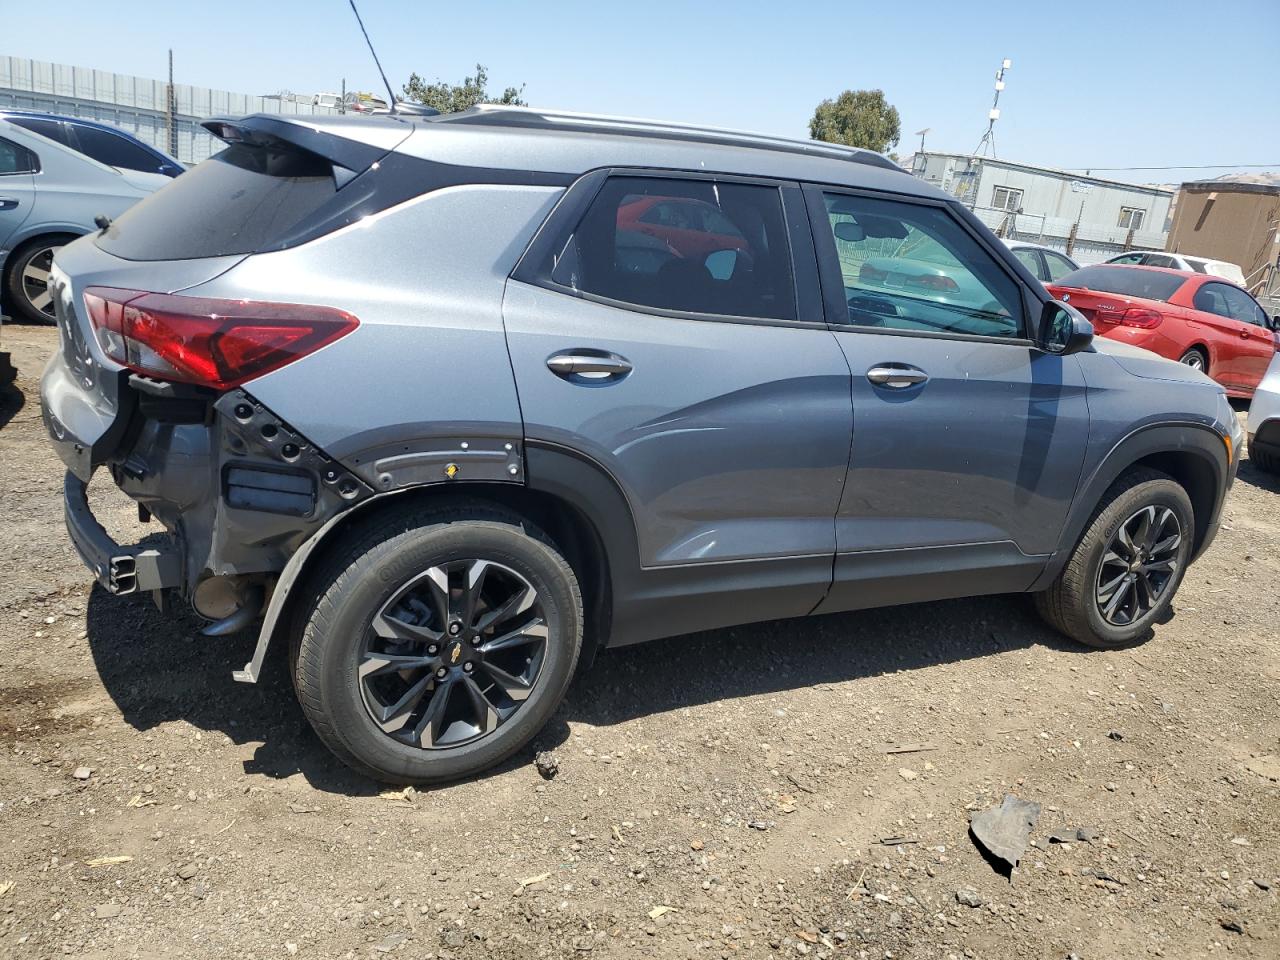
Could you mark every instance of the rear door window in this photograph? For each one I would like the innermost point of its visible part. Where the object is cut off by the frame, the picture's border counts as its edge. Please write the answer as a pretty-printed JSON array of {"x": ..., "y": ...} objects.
[
  {"x": 15, "y": 158},
  {"x": 1059, "y": 266},
  {"x": 1029, "y": 260},
  {"x": 236, "y": 202},
  {"x": 115, "y": 150},
  {"x": 909, "y": 266},
  {"x": 683, "y": 245},
  {"x": 54, "y": 130}
]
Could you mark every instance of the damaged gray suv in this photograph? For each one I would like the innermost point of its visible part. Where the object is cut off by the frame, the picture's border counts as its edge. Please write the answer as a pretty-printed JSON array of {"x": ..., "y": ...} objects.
[{"x": 447, "y": 404}]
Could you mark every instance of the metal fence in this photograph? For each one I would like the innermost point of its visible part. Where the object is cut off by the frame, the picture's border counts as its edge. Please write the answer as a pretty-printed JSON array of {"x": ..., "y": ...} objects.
[
  {"x": 1091, "y": 242},
  {"x": 134, "y": 104}
]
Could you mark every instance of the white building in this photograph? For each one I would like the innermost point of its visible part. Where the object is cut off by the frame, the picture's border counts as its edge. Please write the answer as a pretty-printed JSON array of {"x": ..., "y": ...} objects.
[{"x": 1095, "y": 217}]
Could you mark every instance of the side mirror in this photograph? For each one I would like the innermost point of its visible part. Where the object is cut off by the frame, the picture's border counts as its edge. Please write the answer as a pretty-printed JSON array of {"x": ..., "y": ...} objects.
[
  {"x": 1063, "y": 329},
  {"x": 1275, "y": 323}
]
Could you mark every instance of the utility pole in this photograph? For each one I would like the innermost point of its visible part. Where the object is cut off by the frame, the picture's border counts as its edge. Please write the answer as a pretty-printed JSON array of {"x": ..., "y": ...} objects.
[
  {"x": 989, "y": 138},
  {"x": 920, "y": 134},
  {"x": 170, "y": 127},
  {"x": 342, "y": 104}
]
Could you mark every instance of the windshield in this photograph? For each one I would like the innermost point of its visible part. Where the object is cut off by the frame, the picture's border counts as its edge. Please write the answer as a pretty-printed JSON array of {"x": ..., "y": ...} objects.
[{"x": 1126, "y": 281}]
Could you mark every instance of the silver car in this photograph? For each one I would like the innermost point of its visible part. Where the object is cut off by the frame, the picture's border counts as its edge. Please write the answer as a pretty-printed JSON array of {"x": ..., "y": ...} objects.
[
  {"x": 51, "y": 194},
  {"x": 445, "y": 405}
]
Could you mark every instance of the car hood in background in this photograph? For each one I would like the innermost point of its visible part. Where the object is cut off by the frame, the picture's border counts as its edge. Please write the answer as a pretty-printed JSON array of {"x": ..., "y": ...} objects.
[
  {"x": 1148, "y": 365},
  {"x": 146, "y": 182}
]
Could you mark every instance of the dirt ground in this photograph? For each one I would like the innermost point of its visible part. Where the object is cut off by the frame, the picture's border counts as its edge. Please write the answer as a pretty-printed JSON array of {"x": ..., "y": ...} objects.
[{"x": 720, "y": 795}]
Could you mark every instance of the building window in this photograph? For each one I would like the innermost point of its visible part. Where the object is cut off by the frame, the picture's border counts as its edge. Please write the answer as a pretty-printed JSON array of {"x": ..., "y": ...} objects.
[
  {"x": 1131, "y": 218},
  {"x": 1006, "y": 198}
]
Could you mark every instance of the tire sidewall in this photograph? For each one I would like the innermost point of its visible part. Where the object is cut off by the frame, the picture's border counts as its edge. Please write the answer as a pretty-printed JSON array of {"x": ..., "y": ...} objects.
[
  {"x": 22, "y": 307},
  {"x": 1164, "y": 493},
  {"x": 385, "y": 569}
]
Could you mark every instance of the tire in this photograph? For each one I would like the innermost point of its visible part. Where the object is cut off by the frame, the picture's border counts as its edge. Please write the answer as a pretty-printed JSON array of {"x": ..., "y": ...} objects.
[
  {"x": 1072, "y": 605},
  {"x": 406, "y": 557},
  {"x": 1262, "y": 459},
  {"x": 1197, "y": 358},
  {"x": 35, "y": 255}
]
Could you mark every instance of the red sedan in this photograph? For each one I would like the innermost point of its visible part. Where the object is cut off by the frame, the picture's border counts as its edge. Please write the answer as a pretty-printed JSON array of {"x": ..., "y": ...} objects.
[{"x": 1198, "y": 319}]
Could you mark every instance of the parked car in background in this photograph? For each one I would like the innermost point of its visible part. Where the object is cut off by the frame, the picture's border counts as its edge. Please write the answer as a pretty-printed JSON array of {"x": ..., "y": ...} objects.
[
  {"x": 1045, "y": 263},
  {"x": 1180, "y": 261},
  {"x": 1194, "y": 318},
  {"x": 99, "y": 141},
  {"x": 445, "y": 481},
  {"x": 49, "y": 195},
  {"x": 1264, "y": 421}
]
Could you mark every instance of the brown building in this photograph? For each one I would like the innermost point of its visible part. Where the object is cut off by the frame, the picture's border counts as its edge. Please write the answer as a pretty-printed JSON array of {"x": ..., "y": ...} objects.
[{"x": 1230, "y": 220}]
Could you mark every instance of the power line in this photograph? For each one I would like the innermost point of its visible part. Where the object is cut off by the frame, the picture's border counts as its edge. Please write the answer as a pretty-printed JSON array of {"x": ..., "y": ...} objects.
[{"x": 1205, "y": 166}]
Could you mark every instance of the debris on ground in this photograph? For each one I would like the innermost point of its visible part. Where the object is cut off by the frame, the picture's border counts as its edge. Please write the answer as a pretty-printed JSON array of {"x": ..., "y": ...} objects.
[
  {"x": 107, "y": 861},
  {"x": 187, "y": 871},
  {"x": 1003, "y": 831},
  {"x": 892, "y": 748},
  {"x": 1074, "y": 835},
  {"x": 1231, "y": 924},
  {"x": 1115, "y": 735},
  {"x": 107, "y": 911},
  {"x": 547, "y": 764},
  {"x": 760, "y": 824},
  {"x": 82, "y": 773},
  {"x": 968, "y": 897}
]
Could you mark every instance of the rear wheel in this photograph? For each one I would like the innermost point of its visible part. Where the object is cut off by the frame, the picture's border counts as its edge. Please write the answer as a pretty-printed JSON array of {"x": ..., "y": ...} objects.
[
  {"x": 1263, "y": 459},
  {"x": 1122, "y": 575},
  {"x": 438, "y": 644},
  {"x": 1196, "y": 358},
  {"x": 27, "y": 279}
]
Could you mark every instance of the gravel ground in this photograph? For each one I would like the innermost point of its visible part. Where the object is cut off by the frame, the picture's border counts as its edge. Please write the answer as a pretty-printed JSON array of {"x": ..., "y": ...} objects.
[{"x": 720, "y": 795}]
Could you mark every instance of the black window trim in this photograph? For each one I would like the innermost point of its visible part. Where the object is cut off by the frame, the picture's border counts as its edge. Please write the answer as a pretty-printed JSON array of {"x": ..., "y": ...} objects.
[
  {"x": 1219, "y": 282},
  {"x": 35, "y": 159},
  {"x": 533, "y": 265},
  {"x": 837, "y": 309}
]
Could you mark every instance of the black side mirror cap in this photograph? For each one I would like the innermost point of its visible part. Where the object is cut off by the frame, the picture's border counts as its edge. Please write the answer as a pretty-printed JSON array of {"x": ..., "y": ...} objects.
[{"x": 1063, "y": 329}]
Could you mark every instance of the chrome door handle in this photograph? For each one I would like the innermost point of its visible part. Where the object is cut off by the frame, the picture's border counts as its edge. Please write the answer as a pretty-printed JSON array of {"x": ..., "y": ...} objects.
[
  {"x": 8, "y": 203},
  {"x": 897, "y": 378},
  {"x": 587, "y": 365}
]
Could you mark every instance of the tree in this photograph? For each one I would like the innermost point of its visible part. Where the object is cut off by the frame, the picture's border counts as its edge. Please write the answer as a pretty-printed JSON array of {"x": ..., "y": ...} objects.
[
  {"x": 451, "y": 98},
  {"x": 857, "y": 118}
]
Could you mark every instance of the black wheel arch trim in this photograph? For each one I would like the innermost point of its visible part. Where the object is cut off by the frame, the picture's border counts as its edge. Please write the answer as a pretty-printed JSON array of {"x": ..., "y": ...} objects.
[{"x": 1153, "y": 441}]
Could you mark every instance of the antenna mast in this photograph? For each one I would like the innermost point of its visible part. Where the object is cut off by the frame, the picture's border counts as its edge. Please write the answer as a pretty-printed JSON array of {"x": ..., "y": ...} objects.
[
  {"x": 989, "y": 138},
  {"x": 391, "y": 104}
]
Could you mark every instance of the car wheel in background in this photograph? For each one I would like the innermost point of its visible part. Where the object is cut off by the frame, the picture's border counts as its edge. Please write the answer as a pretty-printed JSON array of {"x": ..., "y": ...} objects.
[
  {"x": 1262, "y": 459},
  {"x": 1196, "y": 359},
  {"x": 1122, "y": 575},
  {"x": 437, "y": 643},
  {"x": 27, "y": 279}
]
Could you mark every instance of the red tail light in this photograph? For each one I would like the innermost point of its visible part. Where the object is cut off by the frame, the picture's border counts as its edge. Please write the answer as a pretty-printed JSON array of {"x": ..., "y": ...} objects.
[
  {"x": 212, "y": 343},
  {"x": 1140, "y": 317},
  {"x": 944, "y": 284}
]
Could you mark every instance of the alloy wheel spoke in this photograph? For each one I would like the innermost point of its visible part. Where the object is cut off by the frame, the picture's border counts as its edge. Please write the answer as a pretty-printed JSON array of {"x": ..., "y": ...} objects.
[
  {"x": 1108, "y": 589},
  {"x": 1167, "y": 545},
  {"x": 394, "y": 717},
  {"x": 535, "y": 631},
  {"x": 1141, "y": 537},
  {"x": 473, "y": 586},
  {"x": 1114, "y": 603},
  {"x": 379, "y": 664},
  {"x": 517, "y": 688},
  {"x": 431, "y": 727},
  {"x": 518, "y": 603},
  {"x": 486, "y": 713},
  {"x": 34, "y": 274},
  {"x": 1144, "y": 594},
  {"x": 393, "y": 628},
  {"x": 42, "y": 301},
  {"x": 1161, "y": 566},
  {"x": 1123, "y": 544}
]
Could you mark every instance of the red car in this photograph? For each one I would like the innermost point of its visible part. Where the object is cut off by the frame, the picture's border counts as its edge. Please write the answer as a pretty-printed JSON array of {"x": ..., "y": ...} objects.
[
  {"x": 1197, "y": 319},
  {"x": 690, "y": 228}
]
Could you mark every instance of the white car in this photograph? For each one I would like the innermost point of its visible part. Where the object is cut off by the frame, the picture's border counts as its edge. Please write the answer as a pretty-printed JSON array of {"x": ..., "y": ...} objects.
[
  {"x": 1264, "y": 420},
  {"x": 1180, "y": 261},
  {"x": 1046, "y": 264}
]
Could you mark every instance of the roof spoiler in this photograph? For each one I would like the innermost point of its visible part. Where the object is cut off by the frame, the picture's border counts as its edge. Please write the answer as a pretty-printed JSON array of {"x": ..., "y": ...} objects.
[{"x": 352, "y": 156}]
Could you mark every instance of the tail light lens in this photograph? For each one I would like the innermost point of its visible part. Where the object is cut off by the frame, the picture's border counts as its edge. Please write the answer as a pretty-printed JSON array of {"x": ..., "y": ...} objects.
[
  {"x": 1140, "y": 317},
  {"x": 942, "y": 284},
  {"x": 210, "y": 342}
]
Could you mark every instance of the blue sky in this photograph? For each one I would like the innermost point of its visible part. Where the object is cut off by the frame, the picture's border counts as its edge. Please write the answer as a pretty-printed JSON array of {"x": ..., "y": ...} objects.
[{"x": 1093, "y": 84}]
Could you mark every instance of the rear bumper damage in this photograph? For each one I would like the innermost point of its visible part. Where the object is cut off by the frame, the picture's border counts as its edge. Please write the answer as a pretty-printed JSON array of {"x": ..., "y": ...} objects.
[{"x": 120, "y": 569}]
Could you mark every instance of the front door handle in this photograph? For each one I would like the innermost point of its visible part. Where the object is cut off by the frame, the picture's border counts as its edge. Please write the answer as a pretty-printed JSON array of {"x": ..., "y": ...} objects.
[
  {"x": 896, "y": 377},
  {"x": 8, "y": 203},
  {"x": 588, "y": 366}
]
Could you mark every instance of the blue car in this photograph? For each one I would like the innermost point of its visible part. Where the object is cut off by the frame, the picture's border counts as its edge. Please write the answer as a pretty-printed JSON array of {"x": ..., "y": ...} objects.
[{"x": 99, "y": 141}]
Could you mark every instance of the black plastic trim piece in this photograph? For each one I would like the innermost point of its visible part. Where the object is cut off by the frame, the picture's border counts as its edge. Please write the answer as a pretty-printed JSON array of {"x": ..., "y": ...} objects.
[{"x": 119, "y": 569}]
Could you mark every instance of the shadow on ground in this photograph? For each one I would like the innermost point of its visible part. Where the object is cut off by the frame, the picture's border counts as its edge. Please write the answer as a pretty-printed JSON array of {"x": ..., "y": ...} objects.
[
  {"x": 157, "y": 669},
  {"x": 12, "y": 400},
  {"x": 1250, "y": 474}
]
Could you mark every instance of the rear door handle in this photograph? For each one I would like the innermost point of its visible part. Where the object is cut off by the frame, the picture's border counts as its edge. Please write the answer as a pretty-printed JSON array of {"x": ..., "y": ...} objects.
[
  {"x": 896, "y": 376},
  {"x": 8, "y": 203},
  {"x": 590, "y": 366}
]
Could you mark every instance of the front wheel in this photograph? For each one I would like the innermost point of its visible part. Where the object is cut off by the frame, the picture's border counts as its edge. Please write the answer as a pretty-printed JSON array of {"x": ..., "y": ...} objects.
[
  {"x": 1122, "y": 575},
  {"x": 27, "y": 279},
  {"x": 438, "y": 644}
]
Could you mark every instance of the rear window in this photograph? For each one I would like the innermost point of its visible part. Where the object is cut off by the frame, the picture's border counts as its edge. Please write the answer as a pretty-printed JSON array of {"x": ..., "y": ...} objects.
[
  {"x": 236, "y": 202},
  {"x": 1125, "y": 281}
]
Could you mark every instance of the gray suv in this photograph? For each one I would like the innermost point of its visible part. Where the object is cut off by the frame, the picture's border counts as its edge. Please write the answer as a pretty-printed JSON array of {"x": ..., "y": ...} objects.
[{"x": 451, "y": 403}]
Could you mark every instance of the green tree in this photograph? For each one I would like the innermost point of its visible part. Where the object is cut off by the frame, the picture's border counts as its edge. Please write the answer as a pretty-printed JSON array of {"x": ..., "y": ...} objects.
[
  {"x": 857, "y": 118},
  {"x": 451, "y": 97}
]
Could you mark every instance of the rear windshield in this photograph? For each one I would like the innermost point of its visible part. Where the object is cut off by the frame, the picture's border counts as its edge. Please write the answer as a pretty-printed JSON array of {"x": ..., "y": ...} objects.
[
  {"x": 1126, "y": 281},
  {"x": 237, "y": 201}
]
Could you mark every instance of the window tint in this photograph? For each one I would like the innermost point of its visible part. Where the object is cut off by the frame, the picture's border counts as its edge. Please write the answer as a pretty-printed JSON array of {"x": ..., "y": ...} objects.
[
  {"x": 1030, "y": 261},
  {"x": 912, "y": 267},
  {"x": 685, "y": 245},
  {"x": 237, "y": 201},
  {"x": 1240, "y": 305},
  {"x": 55, "y": 130},
  {"x": 1128, "y": 281},
  {"x": 1198, "y": 266},
  {"x": 16, "y": 159},
  {"x": 115, "y": 150},
  {"x": 1159, "y": 260},
  {"x": 1127, "y": 258},
  {"x": 1059, "y": 266}
]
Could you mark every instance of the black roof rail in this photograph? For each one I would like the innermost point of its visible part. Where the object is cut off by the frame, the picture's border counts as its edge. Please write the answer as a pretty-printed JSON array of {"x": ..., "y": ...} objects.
[{"x": 501, "y": 115}]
